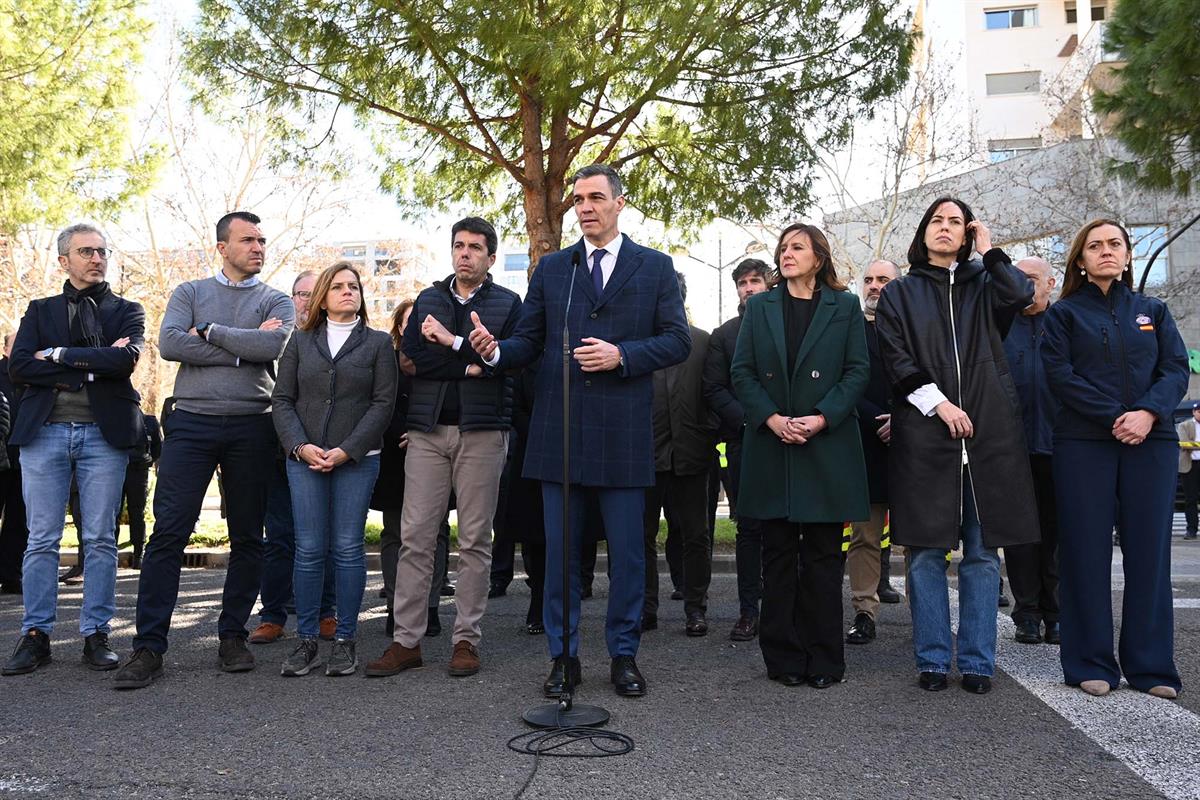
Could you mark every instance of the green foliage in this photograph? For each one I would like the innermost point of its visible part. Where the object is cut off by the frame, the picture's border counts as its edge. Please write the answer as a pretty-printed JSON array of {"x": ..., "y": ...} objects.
[
  {"x": 66, "y": 87},
  {"x": 1157, "y": 97},
  {"x": 710, "y": 107}
]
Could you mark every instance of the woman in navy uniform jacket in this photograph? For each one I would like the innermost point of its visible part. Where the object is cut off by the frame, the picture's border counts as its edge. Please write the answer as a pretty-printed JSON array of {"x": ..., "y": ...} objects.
[{"x": 1117, "y": 364}]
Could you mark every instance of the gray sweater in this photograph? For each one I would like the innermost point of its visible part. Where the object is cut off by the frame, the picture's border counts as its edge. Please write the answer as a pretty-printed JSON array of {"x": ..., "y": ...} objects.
[{"x": 229, "y": 373}]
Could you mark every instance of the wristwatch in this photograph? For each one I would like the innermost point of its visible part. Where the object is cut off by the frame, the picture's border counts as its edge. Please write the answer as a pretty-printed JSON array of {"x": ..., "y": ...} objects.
[
  {"x": 202, "y": 329},
  {"x": 48, "y": 354}
]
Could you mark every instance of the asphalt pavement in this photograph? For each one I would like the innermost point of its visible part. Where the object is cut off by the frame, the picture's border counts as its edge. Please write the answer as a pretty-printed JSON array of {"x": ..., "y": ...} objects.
[{"x": 711, "y": 726}]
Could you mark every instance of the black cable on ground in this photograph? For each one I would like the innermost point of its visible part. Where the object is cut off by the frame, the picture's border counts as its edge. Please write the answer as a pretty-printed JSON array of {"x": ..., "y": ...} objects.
[{"x": 551, "y": 741}]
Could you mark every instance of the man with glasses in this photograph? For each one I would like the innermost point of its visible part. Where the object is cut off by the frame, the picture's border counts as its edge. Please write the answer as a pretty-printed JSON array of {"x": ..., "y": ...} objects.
[
  {"x": 226, "y": 331},
  {"x": 79, "y": 415},
  {"x": 279, "y": 546}
]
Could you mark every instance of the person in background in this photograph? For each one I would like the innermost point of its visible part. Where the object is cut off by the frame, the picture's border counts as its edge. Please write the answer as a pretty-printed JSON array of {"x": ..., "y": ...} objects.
[
  {"x": 1189, "y": 469},
  {"x": 137, "y": 484},
  {"x": 13, "y": 532}
]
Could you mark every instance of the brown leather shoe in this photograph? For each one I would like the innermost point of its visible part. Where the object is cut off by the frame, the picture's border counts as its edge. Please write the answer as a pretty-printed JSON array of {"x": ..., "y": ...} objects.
[
  {"x": 266, "y": 633},
  {"x": 328, "y": 628},
  {"x": 745, "y": 629},
  {"x": 394, "y": 660},
  {"x": 465, "y": 660}
]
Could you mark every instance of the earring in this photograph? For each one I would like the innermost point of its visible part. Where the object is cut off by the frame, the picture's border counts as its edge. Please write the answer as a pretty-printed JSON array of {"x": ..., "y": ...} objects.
[{"x": 1083, "y": 272}]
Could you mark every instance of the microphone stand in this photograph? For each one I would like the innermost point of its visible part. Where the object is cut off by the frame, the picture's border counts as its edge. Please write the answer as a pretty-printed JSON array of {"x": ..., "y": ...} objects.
[{"x": 565, "y": 713}]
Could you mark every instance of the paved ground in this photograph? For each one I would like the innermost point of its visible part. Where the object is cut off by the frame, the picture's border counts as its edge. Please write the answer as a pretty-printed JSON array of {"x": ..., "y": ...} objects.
[{"x": 712, "y": 725}]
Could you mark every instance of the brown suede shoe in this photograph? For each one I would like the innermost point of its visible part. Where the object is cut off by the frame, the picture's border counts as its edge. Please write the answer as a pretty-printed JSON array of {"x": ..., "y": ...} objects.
[
  {"x": 328, "y": 628},
  {"x": 465, "y": 660},
  {"x": 266, "y": 633},
  {"x": 394, "y": 660}
]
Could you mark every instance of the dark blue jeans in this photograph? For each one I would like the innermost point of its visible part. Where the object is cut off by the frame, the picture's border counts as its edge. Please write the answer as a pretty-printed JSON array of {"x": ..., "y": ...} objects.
[
  {"x": 279, "y": 553},
  {"x": 194, "y": 446}
]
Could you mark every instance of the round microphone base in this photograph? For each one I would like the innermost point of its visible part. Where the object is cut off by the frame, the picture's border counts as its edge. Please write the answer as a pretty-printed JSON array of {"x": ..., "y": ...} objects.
[{"x": 579, "y": 716}]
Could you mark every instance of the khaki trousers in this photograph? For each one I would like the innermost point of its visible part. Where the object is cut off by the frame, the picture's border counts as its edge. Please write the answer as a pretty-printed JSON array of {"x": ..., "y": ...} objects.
[
  {"x": 862, "y": 561},
  {"x": 471, "y": 463}
]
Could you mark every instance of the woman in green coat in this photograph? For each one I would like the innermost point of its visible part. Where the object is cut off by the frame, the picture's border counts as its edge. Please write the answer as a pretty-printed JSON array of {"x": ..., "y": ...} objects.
[{"x": 799, "y": 368}]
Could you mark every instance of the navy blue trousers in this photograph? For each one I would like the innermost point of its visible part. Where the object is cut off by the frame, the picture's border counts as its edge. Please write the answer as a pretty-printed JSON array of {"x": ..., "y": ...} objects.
[
  {"x": 622, "y": 513},
  {"x": 1100, "y": 484}
]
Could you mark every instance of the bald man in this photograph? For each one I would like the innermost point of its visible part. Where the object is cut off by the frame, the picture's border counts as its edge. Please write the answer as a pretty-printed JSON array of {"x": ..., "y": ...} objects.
[
  {"x": 1033, "y": 568},
  {"x": 868, "y": 582}
]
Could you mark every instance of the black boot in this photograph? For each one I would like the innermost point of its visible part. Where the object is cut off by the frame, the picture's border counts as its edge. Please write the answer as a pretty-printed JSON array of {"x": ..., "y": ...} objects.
[
  {"x": 33, "y": 650},
  {"x": 886, "y": 593}
]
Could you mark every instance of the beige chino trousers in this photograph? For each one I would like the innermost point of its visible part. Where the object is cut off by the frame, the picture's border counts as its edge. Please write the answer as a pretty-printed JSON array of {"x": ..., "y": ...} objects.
[{"x": 862, "y": 561}]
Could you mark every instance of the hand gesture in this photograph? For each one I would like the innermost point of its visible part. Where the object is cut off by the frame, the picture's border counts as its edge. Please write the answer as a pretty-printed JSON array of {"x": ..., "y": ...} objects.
[
  {"x": 983, "y": 237},
  {"x": 1132, "y": 427},
  {"x": 885, "y": 430},
  {"x": 436, "y": 332},
  {"x": 807, "y": 427},
  {"x": 956, "y": 420},
  {"x": 271, "y": 324},
  {"x": 403, "y": 443},
  {"x": 122, "y": 342},
  {"x": 474, "y": 371},
  {"x": 481, "y": 339},
  {"x": 780, "y": 426},
  {"x": 597, "y": 355},
  {"x": 313, "y": 456},
  {"x": 336, "y": 457}
]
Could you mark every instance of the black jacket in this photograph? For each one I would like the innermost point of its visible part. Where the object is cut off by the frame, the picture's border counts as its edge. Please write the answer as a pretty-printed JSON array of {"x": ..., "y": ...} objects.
[
  {"x": 919, "y": 319},
  {"x": 1105, "y": 355},
  {"x": 5, "y": 428},
  {"x": 1023, "y": 348},
  {"x": 875, "y": 401},
  {"x": 484, "y": 403},
  {"x": 115, "y": 404},
  {"x": 685, "y": 429},
  {"x": 718, "y": 386},
  {"x": 389, "y": 486}
]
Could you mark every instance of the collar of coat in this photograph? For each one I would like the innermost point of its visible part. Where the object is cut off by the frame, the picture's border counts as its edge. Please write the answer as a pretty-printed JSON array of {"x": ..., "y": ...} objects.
[
  {"x": 962, "y": 273},
  {"x": 446, "y": 285}
]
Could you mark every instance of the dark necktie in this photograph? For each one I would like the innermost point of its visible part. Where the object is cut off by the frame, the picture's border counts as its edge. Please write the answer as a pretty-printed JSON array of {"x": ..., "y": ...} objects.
[{"x": 597, "y": 272}]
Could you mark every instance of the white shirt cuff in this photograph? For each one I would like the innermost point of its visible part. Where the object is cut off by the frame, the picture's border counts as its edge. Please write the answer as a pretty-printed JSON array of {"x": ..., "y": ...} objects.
[
  {"x": 458, "y": 343},
  {"x": 495, "y": 359},
  {"x": 927, "y": 398}
]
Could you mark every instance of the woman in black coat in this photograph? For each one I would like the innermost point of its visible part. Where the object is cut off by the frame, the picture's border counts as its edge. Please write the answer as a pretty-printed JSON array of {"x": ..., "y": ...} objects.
[
  {"x": 1116, "y": 362},
  {"x": 958, "y": 468}
]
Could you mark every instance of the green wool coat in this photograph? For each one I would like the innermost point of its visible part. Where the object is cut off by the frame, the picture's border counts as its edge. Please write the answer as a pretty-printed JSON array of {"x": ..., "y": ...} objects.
[{"x": 824, "y": 480}]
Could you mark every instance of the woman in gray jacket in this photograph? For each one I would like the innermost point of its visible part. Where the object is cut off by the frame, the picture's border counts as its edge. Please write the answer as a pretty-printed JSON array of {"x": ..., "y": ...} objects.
[{"x": 332, "y": 402}]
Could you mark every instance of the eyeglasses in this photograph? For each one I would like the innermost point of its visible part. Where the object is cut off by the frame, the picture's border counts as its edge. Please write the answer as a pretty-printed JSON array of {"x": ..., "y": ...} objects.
[
  {"x": 302, "y": 295},
  {"x": 88, "y": 252}
]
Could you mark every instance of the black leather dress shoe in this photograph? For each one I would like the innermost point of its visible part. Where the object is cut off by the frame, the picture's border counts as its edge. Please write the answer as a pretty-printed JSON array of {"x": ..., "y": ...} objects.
[
  {"x": 788, "y": 678},
  {"x": 932, "y": 681},
  {"x": 1029, "y": 631},
  {"x": 887, "y": 594},
  {"x": 745, "y": 629},
  {"x": 627, "y": 678},
  {"x": 976, "y": 684},
  {"x": 553, "y": 685},
  {"x": 821, "y": 681},
  {"x": 32, "y": 651},
  {"x": 1053, "y": 634},
  {"x": 97, "y": 654},
  {"x": 649, "y": 622},
  {"x": 497, "y": 590},
  {"x": 535, "y": 628},
  {"x": 863, "y": 629},
  {"x": 696, "y": 625}
]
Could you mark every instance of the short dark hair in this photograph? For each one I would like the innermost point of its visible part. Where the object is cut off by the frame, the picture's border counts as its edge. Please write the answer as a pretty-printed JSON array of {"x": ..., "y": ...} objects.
[
  {"x": 223, "y": 223},
  {"x": 681, "y": 279},
  {"x": 480, "y": 226},
  {"x": 592, "y": 170},
  {"x": 752, "y": 265},
  {"x": 918, "y": 253}
]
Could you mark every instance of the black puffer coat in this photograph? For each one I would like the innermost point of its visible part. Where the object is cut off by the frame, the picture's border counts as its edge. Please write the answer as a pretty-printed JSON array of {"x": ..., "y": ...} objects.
[{"x": 917, "y": 322}]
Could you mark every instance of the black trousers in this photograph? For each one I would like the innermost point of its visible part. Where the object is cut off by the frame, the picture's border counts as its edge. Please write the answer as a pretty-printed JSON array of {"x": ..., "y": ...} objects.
[
  {"x": 133, "y": 495},
  {"x": 1191, "y": 494},
  {"x": 533, "y": 556},
  {"x": 684, "y": 499},
  {"x": 1033, "y": 568},
  {"x": 800, "y": 629},
  {"x": 14, "y": 534}
]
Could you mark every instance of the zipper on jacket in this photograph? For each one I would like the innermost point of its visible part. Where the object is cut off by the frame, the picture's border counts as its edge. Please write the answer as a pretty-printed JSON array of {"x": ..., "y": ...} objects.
[
  {"x": 1112, "y": 309},
  {"x": 1107, "y": 346},
  {"x": 958, "y": 381}
]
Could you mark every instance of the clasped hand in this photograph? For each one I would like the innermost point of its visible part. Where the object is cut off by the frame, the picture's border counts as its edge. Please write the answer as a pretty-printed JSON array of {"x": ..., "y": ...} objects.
[
  {"x": 1132, "y": 427},
  {"x": 796, "y": 430},
  {"x": 319, "y": 460}
]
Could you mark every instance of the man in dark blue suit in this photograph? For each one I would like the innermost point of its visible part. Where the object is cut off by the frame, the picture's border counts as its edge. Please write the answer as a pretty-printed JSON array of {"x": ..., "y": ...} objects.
[
  {"x": 621, "y": 304},
  {"x": 79, "y": 415}
]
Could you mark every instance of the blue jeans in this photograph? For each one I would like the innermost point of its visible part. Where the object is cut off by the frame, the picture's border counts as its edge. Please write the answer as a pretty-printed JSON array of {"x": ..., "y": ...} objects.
[
  {"x": 279, "y": 552},
  {"x": 330, "y": 510},
  {"x": 46, "y": 465},
  {"x": 929, "y": 600}
]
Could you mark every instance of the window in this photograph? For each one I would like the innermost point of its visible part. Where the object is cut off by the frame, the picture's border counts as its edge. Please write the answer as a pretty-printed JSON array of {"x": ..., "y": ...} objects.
[
  {"x": 1014, "y": 83},
  {"x": 1146, "y": 239},
  {"x": 1072, "y": 14},
  {"x": 1099, "y": 11},
  {"x": 516, "y": 261},
  {"x": 1004, "y": 149},
  {"x": 1011, "y": 18}
]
